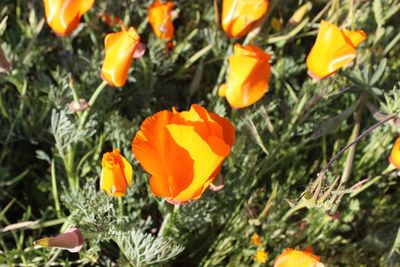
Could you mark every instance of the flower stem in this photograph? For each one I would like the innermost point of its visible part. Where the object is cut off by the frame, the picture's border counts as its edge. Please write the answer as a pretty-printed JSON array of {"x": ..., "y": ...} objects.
[{"x": 167, "y": 220}]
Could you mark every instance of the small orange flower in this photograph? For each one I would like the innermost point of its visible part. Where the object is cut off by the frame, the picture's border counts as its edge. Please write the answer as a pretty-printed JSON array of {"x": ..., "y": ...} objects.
[
  {"x": 333, "y": 49},
  {"x": 159, "y": 16},
  {"x": 395, "y": 154},
  {"x": 256, "y": 240},
  {"x": 239, "y": 17},
  {"x": 183, "y": 151},
  {"x": 63, "y": 16},
  {"x": 116, "y": 174},
  {"x": 298, "y": 258},
  {"x": 248, "y": 78},
  {"x": 120, "y": 50}
]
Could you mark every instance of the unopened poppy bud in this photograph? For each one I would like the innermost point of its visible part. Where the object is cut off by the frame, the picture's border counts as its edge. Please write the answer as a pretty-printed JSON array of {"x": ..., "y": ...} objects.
[
  {"x": 248, "y": 76},
  {"x": 5, "y": 66},
  {"x": 121, "y": 48},
  {"x": 333, "y": 49},
  {"x": 116, "y": 174},
  {"x": 299, "y": 13},
  {"x": 78, "y": 107},
  {"x": 71, "y": 240},
  {"x": 159, "y": 16}
]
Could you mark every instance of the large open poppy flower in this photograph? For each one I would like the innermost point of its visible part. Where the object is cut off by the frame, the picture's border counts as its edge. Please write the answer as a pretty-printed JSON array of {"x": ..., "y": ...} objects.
[
  {"x": 333, "y": 49},
  {"x": 183, "y": 151},
  {"x": 240, "y": 16},
  {"x": 248, "y": 77},
  {"x": 63, "y": 16}
]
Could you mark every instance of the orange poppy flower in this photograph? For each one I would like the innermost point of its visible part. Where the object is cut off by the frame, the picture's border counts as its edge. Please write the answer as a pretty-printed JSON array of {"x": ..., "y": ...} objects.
[
  {"x": 63, "y": 16},
  {"x": 333, "y": 49},
  {"x": 298, "y": 258},
  {"x": 116, "y": 174},
  {"x": 159, "y": 16},
  {"x": 120, "y": 50},
  {"x": 239, "y": 17},
  {"x": 394, "y": 157},
  {"x": 248, "y": 77},
  {"x": 183, "y": 151}
]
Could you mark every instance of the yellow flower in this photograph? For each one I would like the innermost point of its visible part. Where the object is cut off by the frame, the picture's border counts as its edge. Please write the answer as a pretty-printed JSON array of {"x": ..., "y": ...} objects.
[
  {"x": 261, "y": 256},
  {"x": 256, "y": 240}
]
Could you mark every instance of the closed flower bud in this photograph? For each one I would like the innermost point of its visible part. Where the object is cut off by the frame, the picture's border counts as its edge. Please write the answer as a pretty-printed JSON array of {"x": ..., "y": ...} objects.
[
  {"x": 299, "y": 13},
  {"x": 333, "y": 49},
  {"x": 116, "y": 174},
  {"x": 183, "y": 151},
  {"x": 4, "y": 64},
  {"x": 239, "y": 17},
  {"x": 394, "y": 157},
  {"x": 159, "y": 16},
  {"x": 71, "y": 240},
  {"x": 248, "y": 76},
  {"x": 120, "y": 50},
  {"x": 63, "y": 16},
  {"x": 298, "y": 258}
]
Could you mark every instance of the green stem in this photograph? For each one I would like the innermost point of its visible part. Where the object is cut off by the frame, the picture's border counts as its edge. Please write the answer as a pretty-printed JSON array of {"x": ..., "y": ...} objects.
[
  {"x": 54, "y": 189},
  {"x": 167, "y": 220},
  {"x": 372, "y": 181},
  {"x": 91, "y": 102},
  {"x": 70, "y": 159}
]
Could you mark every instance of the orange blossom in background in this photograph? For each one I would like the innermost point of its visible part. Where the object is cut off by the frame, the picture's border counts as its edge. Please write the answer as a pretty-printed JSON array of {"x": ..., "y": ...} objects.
[{"x": 63, "y": 16}]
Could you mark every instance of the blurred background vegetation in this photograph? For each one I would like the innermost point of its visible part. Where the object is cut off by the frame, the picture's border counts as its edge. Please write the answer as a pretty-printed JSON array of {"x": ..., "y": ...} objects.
[{"x": 283, "y": 141}]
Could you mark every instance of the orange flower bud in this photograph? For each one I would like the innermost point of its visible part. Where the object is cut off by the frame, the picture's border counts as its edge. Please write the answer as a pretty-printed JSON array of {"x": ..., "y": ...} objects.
[
  {"x": 116, "y": 174},
  {"x": 63, "y": 16},
  {"x": 333, "y": 49},
  {"x": 5, "y": 65},
  {"x": 71, "y": 240},
  {"x": 239, "y": 17},
  {"x": 108, "y": 19},
  {"x": 120, "y": 50},
  {"x": 248, "y": 77},
  {"x": 183, "y": 151},
  {"x": 300, "y": 13},
  {"x": 394, "y": 157},
  {"x": 159, "y": 16},
  {"x": 298, "y": 258}
]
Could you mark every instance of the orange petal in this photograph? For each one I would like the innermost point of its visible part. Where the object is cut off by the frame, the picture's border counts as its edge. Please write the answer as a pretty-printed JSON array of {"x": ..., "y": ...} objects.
[
  {"x": 169, "y": 164},
  {"x": 395, "y": 154},
  {"x": 205, "y": 160}
]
